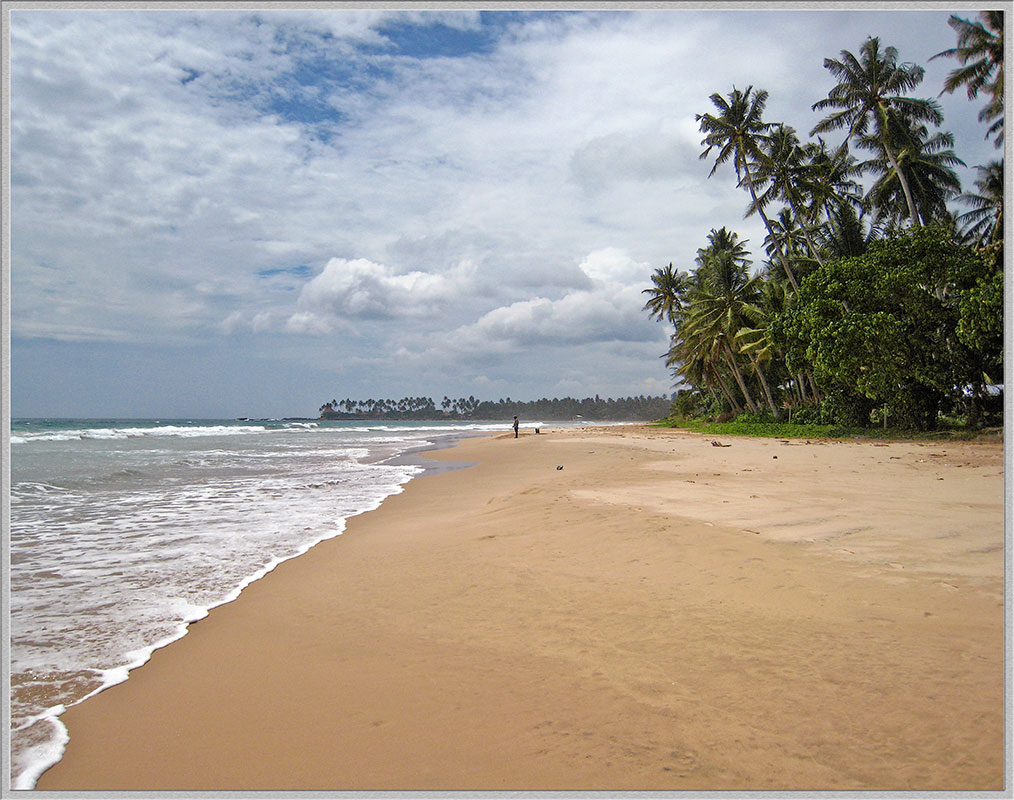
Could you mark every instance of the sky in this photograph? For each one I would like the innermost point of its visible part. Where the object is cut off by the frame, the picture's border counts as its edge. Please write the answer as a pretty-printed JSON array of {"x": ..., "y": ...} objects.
[{"x": 242, "y": 212}]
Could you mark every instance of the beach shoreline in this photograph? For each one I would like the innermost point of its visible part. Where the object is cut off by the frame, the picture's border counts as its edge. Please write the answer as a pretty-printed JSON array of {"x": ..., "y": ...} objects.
[{"x": 602, "y": 608}]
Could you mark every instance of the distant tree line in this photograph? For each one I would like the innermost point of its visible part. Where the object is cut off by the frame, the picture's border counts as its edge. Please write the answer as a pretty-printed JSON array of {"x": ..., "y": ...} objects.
[{"x": 641, "y": 407}]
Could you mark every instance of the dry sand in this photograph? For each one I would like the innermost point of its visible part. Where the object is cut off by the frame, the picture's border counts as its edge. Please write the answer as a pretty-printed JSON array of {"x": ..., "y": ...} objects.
[{"x": 659, "y": 614}]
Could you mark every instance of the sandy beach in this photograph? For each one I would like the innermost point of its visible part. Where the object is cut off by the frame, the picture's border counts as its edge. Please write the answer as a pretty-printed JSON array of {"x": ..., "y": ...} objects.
[{"x": 659, "y": 614}]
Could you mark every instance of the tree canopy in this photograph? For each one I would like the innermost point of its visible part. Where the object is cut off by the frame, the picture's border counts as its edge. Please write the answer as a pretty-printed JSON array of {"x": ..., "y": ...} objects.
[{"x": 878, "y": 299}]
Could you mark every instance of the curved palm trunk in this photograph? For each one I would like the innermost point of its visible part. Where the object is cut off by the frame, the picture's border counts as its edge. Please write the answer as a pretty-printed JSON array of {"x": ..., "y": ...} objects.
[
  {"x": 806, "y": 235},
  {"x": 767, "y": 389},
  {"x": 728, "y": 395},
  {"x": 916, "y": 219},
  {"x": 767, "y": 224},
  {"x": 813, "y": 385},
  {"x": 731, "y": 358},
  {"x": 801, "y": 387}
]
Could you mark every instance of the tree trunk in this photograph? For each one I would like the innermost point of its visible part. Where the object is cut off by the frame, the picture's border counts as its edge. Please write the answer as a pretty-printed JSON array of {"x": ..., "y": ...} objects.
[
  {"x": 728, "y": 395},
  {"x": 916, "y": 219},
  {"x": 806, "y": 235},
  {"x": 767, "y": 224},
  {"x": 801, "y": 386},
  {"x": 766, "y": 388},
  {"x": 731, "y": 358},
  {"x": 813, "y": 385}
]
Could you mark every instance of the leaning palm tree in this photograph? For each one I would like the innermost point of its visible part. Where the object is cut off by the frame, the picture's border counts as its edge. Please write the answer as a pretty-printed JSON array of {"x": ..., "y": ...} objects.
[
  {"x": 984, "y": 223},
  {"x": 869, "y": 98},
  {"x": 927, "y": 165},
  {"x": 737, "y": 132},
  {"x": 980, "y": 52},
  {"x": 756, "y": 345},
  {"x": 783, "y": 168},
  {"x": 695, "y": 361},
  {"x": 720, "y": 304},
  {"x": 666, "y": 294}
]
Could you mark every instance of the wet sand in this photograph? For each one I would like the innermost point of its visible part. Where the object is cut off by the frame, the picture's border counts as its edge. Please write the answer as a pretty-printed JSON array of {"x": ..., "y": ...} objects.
[{"x": 660, "y": 614}]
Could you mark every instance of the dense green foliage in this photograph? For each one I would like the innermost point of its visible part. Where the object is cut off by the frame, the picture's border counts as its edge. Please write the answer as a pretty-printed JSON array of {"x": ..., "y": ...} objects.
[
  {"x": 783, "y": 430},
  {"x": 873, "y": 307},
  {"x": 636, "y": 408}
]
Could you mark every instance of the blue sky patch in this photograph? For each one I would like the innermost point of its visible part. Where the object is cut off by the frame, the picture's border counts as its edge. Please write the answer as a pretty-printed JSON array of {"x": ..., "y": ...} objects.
[
  {"x": 437, "y": 40},
  {"x": 301, "y": 271}
]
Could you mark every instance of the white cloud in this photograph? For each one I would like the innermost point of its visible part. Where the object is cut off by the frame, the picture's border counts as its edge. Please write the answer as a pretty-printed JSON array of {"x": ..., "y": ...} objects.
[
  {"x": 608, "y": 311},
  {"x": 362, "y": 289},
  {"x": 180, "y": 174},
  {"x": 306, "y": 322}
]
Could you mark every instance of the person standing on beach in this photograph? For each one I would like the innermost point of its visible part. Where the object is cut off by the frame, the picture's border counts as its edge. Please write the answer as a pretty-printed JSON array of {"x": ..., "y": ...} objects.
[{"x": 515, "y": 426}]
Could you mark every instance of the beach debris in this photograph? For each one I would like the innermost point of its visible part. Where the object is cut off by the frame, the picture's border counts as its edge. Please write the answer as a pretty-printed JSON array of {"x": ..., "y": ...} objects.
[
  {"x": 774, "y": 456},
  {"x": 715, "y": 443},
  {"x": 559, "y": 467}
]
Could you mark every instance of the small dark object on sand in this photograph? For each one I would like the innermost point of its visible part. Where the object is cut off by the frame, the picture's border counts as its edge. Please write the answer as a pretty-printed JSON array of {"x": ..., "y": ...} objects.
[
  {"x": 715, "y": 443},
  {"x": 559, "y": 467}
]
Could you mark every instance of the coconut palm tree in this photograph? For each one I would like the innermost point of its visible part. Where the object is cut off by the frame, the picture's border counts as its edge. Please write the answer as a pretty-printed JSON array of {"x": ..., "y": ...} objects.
[
  {"x": 721, "y": 302},
  {"x": 796, "y": 243},
  {"x": 830, "y": 178},
  {"x": 980, "y": 52},
  {"x": 845, "y": 235},
  {"x": 755, "y": 343},
  {"x": 666, "y": 294},
  {"x": 737, "y": 133},
  {"x": 925, "y": 162},
  {"x": 984, "y": 223},
  {"x": 696, "y": 361},
  {"x": 785, "y": 172},
  {"x": 869, "y": 98}
]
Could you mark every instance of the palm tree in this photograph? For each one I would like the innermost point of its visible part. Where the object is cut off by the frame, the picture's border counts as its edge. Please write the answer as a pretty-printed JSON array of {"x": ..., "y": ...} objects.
[
  {"x": 829, "y": 178},
  {"x": 984, "y": 223},
  {"x": 695, "y": 361},
  {"x": 667, "y": 293},
  {"x": 980, "y": 52},
  {"x": 784, "y": 169},
  {"x": 721, "y": 303},
  {"x": 795, "y": 242},
  {"x": 756, "y": 343},
  {"x": 845, "y": 235},
  {"x": 927, "y": 165},
  {"x": 722, "y": 240},
  {"x": 737, "y": 132},
  {"x": 869, "y": 96}
]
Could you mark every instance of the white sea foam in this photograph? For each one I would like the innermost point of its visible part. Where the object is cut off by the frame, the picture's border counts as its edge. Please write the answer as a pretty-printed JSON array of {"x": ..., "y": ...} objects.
[
  {"x": 77, "y": 434},
  {"x": 151, "y": 538}
]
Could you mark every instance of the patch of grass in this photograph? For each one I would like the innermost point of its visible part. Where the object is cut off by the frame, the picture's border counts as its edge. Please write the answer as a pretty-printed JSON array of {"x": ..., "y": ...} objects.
[
  {"x": 781, "y": 430},
  {"x": 785, "y": 430}
]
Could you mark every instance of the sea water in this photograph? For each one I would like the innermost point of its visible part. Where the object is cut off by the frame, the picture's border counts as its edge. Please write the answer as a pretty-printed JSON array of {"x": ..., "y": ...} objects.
[{"x": 124, "y": 531}]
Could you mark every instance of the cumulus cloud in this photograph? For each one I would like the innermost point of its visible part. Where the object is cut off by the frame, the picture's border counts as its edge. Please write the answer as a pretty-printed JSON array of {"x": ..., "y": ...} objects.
[
  {"x": 363, "y": 289},
  {"x": 608, "y": 311}
]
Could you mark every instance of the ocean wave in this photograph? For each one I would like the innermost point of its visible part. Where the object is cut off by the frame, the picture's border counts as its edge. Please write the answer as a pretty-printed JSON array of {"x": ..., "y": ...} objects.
[
  {"x": 133, "y": 562},
  {"x": 80, "y": 434}
]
